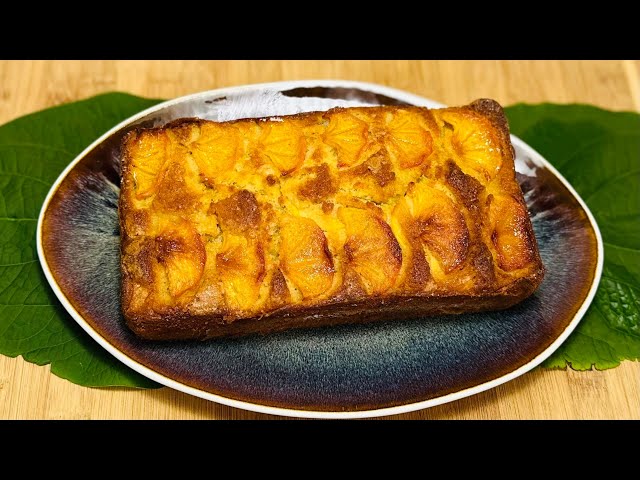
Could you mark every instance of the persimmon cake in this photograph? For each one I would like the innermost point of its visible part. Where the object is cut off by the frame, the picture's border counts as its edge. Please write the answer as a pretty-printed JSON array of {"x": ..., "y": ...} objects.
[{"x": 322, "y": 218}]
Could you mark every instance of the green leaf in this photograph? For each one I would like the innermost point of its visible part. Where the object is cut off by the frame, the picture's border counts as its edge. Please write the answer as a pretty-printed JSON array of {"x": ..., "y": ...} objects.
[
  {"x": 33, "y": 151},
  {"x": 598, "y": 151}
]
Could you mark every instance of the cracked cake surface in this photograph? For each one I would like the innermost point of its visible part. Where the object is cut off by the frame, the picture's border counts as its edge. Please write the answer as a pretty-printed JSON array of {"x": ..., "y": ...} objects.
[{"x": 321, "y": 218}]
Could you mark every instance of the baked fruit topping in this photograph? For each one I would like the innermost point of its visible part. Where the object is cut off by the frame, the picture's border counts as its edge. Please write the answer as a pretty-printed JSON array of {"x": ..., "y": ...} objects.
[
  {"x": 305, "y": 256},
  {"x": 321, "y": 218}
]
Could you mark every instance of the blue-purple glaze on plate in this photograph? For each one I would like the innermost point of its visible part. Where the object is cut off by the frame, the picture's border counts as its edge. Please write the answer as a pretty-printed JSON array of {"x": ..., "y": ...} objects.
[{"x": 344, "y": 371}]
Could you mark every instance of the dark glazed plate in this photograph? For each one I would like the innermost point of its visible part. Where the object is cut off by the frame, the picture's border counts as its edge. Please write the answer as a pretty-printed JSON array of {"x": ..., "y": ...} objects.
[{"x": 338, "y": 372}]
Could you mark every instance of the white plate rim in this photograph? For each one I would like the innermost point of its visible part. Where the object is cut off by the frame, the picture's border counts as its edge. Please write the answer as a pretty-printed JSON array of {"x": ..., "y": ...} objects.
[{"x": 254, "y": 407}]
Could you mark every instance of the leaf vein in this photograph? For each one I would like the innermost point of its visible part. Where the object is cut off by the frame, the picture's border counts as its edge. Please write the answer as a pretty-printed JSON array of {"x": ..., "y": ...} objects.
[
  {"x": 18, "y": 219},
  {"x": 40, "y": 146},
  {"x": 617, "y": 280},
  {"x": 46, "y": 324},
  {"x": 628, "y": 249},
  {"x": 24, "y": 175},
  {"x": 613, "y": 327},
  {"x": 609, "y": 181},
  {"x": 27, "y": 305},
  {"x": 17, "y": 264}
]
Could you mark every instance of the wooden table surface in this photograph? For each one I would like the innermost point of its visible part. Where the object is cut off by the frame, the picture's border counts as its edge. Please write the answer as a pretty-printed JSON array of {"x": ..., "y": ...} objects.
[{"x": 29, "y": 391}]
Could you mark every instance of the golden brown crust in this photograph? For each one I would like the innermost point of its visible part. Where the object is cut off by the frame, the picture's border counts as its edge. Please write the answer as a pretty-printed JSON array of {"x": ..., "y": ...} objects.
[{"x": 349, "y": 215}]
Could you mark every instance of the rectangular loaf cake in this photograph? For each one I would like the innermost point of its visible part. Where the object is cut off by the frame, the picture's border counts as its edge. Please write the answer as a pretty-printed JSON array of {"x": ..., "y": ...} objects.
[{"x": 321, "y": 218}]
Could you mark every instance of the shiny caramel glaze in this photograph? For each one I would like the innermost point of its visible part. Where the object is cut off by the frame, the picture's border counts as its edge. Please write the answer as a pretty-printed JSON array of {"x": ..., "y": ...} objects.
[{"x": 271, "y": 223}]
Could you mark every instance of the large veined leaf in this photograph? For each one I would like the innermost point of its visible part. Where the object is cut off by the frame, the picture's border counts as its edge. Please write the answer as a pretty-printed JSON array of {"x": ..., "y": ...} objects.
[
  {"x": 598, "y": 151},
  {"x": 33, "y": 151}
]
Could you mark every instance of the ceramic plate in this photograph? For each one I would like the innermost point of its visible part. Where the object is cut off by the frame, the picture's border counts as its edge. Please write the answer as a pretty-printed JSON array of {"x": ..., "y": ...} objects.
[{"x": 338, "y": 372}]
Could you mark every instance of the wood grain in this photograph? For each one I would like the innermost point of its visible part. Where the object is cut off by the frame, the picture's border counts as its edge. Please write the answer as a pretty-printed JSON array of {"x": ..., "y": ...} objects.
[{"x": 31, "y": 392}]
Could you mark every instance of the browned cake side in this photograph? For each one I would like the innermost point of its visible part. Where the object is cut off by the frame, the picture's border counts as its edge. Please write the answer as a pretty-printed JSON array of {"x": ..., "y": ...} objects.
[{"x": 349, "y": 215}]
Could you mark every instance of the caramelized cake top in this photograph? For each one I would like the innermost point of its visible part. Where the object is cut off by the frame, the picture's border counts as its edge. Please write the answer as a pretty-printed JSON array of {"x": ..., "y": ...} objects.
[{"x": 243, "y": 218}]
